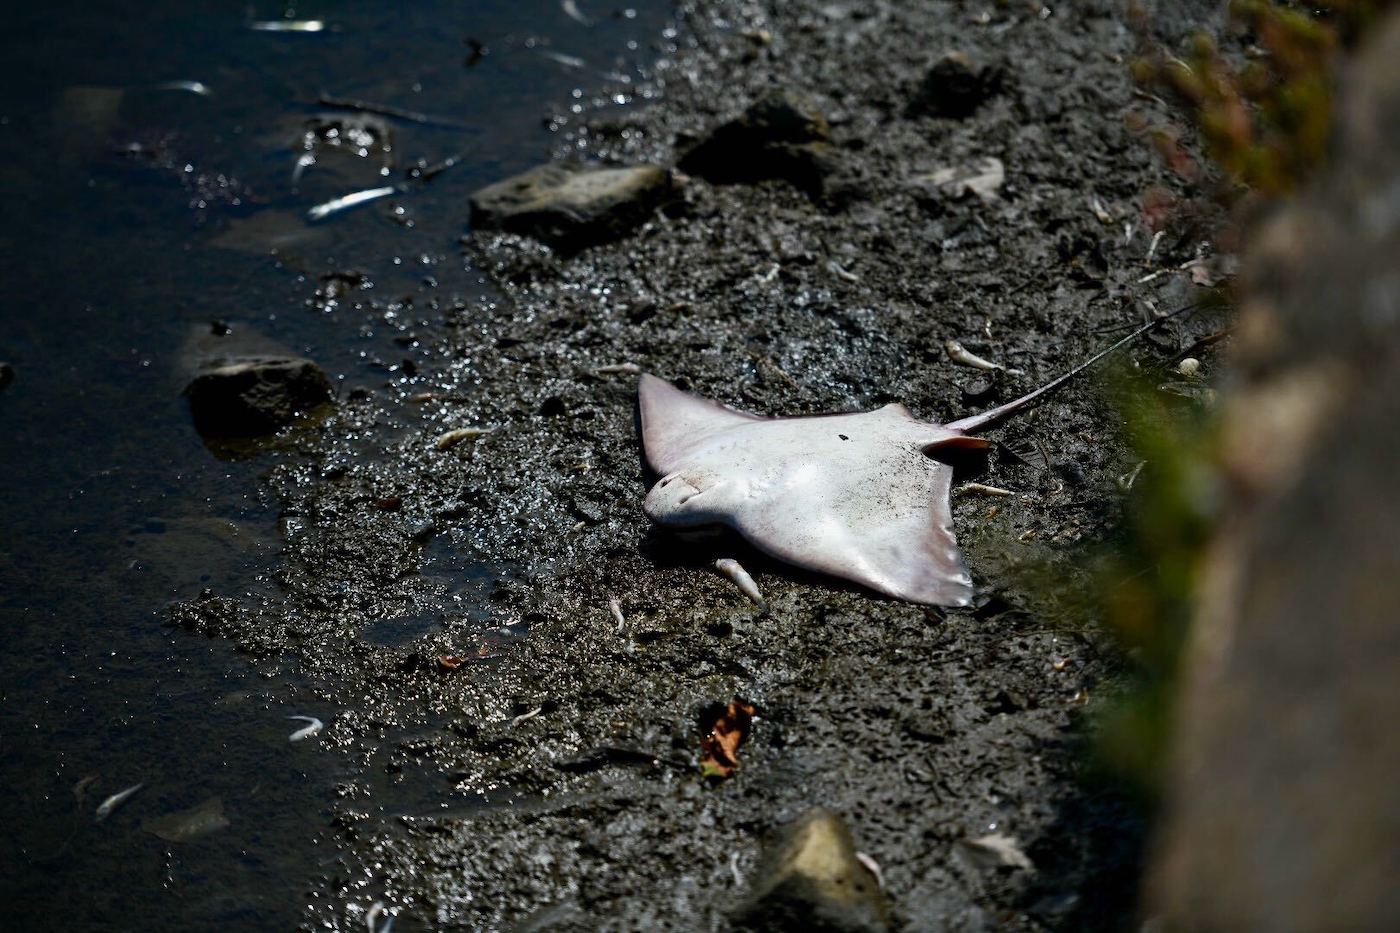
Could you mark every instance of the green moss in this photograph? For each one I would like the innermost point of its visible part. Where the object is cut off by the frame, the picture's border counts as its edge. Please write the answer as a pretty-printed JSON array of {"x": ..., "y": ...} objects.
[{"x": 1265, "y": 123}]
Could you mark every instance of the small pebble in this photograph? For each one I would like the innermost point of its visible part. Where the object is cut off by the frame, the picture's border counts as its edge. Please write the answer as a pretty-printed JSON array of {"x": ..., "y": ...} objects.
[{"x": 1189, "y": 367}]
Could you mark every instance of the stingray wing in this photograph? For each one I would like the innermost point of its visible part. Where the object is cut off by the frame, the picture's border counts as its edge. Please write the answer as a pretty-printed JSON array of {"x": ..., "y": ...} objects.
[
  {"x": 898, "y": 541},
  {"x": 675, "y": 422}
]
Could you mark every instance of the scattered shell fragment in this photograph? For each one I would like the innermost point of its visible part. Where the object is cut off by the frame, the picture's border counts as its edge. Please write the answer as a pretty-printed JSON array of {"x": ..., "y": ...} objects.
[
  {"x": 457, "y": 435},
  {"x": 312, "y": 727},
  {"x": 873, "y": 867},
  {"x": 628, "y": 369},
  {"x": 1152, "y": 247},
  {"x": 836, "y": 269},
  {"x": 983, "y": 178},
  {"x": 983, "y": 490},
  {"x": 1103, "y": 216},
  {"x": 616, "y": 611},
  {"x": 735, "y": 571},
  {"x": 1189, "y": 367},
  {"x": 524, "y": 717},
  {"x": 996, "y": 850},
  {"x": 959, "y": 354}
]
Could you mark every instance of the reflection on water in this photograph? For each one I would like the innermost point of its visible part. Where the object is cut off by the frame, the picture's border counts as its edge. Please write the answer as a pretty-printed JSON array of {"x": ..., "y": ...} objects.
[{"x": 158, "y": 162}]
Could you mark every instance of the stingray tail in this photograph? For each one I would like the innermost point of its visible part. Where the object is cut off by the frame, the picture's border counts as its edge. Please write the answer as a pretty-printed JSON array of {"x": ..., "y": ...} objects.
[{"x": 974, "y": 423}]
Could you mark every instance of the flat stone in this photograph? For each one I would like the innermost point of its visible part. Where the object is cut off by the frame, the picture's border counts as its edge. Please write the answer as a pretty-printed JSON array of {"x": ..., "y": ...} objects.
[
  {"x": 572, "y": 204},
  {"x": 813, "y": 880},
  {"x": 955, "y": 87},
  {"x": 782, "y": 136},
  {"x": 249, "y": 397}
]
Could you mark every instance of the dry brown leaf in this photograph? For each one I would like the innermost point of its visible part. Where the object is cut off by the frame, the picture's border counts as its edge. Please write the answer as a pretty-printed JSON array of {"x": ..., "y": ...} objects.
[
  {"x": 720, "y": 748},
  {"x": 450, "y": 662}
]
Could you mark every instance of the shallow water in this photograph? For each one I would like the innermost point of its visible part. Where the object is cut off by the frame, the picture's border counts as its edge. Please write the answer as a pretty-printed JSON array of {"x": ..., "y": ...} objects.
[{"x": 137, "y": 214}]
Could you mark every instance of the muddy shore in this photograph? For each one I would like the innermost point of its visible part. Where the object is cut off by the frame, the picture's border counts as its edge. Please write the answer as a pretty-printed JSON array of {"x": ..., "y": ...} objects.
[{"x": 558, "y": 765}]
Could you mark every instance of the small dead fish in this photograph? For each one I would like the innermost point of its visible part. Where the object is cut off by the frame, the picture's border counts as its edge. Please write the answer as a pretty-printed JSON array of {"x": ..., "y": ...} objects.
[
  {"x": 959, "y": 354},
  {"x": 288, "y": 25},
  {"x": 571, "y": 10},
  {"x": 568, "y": 61},
  {"x": 314, "y": 726},
  {"x": 108, "y": 806},
  {"x": 193, "y": 87},
  {"x": 457, "y": 435},
  {"x": 336, "y": 205},
  {"x": 735, "y": 571}
]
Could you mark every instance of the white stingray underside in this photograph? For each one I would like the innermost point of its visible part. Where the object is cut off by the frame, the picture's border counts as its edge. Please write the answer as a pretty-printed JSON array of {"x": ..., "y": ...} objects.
[{"x": 851, "y": 495}]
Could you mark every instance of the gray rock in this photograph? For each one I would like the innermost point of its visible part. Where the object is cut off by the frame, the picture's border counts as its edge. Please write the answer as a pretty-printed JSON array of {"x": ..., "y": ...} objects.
[
  {"x": 1283, "y": 803},
  {"x": 784, "y": 136},
  {"x": 249, "y": 397},
  {"x": 955, "y": 87},
  {"x": 572, "y": 204},
  {"x": 812, "y": 880}
]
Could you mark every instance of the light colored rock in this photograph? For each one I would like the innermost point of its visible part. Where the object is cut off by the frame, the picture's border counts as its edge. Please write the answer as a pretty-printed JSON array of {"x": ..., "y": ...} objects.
[
  {"x": 571, "y": 203},
  {"x": 814, "y": 879}
]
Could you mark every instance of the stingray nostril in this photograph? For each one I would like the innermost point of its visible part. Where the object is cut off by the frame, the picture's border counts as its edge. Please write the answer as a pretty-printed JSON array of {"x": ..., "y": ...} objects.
[{"x": 667, "y": 481}]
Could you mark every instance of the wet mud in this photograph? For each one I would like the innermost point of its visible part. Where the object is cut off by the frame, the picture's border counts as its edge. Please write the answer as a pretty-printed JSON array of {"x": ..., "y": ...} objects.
[{"x": 451, "y": 601}]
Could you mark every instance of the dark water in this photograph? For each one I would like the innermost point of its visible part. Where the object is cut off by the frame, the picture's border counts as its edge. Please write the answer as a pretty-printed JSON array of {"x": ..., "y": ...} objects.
[{"x": 135, "y": 215}]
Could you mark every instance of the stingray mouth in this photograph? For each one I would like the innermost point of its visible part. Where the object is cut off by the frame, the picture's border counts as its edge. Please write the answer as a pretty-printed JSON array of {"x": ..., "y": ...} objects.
[
  {"x": 666, "y": 503},
  {"x": 678, "y": 490}
]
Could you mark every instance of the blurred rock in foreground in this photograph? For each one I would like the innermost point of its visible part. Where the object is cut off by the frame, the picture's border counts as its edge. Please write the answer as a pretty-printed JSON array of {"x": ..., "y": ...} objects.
[{"x": 1284, "y": 807}]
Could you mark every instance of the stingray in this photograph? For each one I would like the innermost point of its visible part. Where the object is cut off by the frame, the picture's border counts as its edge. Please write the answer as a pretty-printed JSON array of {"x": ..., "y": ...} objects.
[{"x": 861, "y": 496}]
